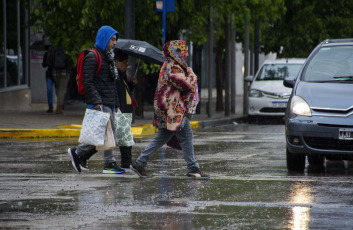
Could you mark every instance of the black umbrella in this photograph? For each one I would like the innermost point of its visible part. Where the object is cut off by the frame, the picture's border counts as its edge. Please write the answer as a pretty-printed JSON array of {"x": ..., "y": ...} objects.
[
  {"x": 40, "y": 45},
  {"x": 141, "y": 49}
]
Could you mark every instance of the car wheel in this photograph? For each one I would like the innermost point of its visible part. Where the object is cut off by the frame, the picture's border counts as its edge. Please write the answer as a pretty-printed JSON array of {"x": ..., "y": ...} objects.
[
  {"x": 252, "y": 119},
  {"x": 316, "y": 160},
  {"x": 334, "y": 157},
  {"x": 295, "y": 162}
]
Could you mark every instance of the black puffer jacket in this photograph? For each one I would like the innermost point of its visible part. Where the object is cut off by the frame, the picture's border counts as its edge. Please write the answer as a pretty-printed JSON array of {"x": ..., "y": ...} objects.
[{"x": 99, "y": 89}]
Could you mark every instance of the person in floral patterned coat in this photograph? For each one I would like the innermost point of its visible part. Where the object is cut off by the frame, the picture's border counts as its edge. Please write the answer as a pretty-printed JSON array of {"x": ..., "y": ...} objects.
[{"x": 174, "y": 104}]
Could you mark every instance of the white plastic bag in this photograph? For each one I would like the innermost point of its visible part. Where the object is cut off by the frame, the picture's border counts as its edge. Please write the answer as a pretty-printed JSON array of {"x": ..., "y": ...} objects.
[{"x": 94, "y": 127}]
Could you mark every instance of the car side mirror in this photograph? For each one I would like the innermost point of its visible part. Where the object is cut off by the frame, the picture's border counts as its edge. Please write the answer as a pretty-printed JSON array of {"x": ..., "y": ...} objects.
[
  {"x": 289, "y": 82},
  {"x": 248, "y": 78}
]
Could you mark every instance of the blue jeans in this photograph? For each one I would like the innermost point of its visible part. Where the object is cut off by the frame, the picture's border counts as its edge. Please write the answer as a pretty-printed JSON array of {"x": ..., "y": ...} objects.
[
  {"x": 86, "y": 151},
  {"x": 50, "y": 84},
  {"x": 185, "y": 138}
]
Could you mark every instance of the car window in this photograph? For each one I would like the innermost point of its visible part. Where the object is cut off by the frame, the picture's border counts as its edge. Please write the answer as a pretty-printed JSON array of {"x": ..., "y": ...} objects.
[
  {"x": 330, "y": 64},
  {"x": 278, "y": 71}
]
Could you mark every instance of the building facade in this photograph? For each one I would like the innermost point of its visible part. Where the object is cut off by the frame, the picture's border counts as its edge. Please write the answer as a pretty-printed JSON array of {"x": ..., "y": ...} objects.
[{"x": 22, "y": 77}]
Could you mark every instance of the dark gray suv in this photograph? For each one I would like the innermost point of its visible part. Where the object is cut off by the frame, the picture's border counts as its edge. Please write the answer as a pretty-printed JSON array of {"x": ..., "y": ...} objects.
[{"x": 319, "y": 115}]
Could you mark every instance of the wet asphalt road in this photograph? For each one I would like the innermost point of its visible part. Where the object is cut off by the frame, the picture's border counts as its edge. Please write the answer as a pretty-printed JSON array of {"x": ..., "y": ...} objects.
[{"x": 249, "y": 189}]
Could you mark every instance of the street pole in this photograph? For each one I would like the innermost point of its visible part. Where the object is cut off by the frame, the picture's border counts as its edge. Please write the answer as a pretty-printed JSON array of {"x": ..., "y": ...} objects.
[
  {"x": 129, "y": 28},
  {"x": 246, "y": 67},
  {"x": 164, "y": 20},
  {"x": 256, "y": 46},
  {"x": 232, "y": 66},
  {"x": 129, "y": 32},
  {"x": 227, "y": 70},
  {"x": 210, "y": 62}
]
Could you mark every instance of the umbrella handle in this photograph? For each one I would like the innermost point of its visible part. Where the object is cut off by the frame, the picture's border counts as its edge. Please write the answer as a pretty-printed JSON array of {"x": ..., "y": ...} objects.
[{"x": 137, "y": 68}]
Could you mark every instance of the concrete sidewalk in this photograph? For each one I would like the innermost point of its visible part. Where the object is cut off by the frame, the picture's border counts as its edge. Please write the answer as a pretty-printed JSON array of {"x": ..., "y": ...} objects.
[{"x": 39, "y": 124}]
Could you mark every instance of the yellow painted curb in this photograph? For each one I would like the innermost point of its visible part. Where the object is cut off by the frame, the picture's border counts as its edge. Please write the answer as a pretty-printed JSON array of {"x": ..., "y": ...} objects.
[
  {"x": 194, "y": 124},
  {"x": 74, "y": 131},
  {"x": 143, "y": 130},
  {"x": 23, "y": 133}
]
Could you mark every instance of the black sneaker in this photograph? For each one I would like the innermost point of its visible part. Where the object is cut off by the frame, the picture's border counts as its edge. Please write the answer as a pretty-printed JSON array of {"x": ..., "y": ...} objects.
[
  {"x": 113, "y": 168},
  {"x": 125, "y": 166},
  {"x": 83, "y": 162},
  {"x": 84, "y": 165},
  {"x": 198, "y": 175},
  {"x": 75, "y": 159},
  {"x": 140, "y": 171}
]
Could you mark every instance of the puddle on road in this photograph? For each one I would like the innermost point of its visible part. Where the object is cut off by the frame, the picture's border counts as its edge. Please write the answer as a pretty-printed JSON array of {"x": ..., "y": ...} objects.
[
  {"x": 39, "y": 189},
  {"x": 157, "y": 203}
]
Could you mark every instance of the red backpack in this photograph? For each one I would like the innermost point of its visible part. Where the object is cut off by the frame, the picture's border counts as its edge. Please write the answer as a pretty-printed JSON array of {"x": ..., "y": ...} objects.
[{"x": 79, "y": 76}]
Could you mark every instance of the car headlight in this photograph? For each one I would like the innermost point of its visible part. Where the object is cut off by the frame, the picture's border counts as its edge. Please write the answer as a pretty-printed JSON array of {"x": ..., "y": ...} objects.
[
  {"x": 299, "y": 106},
  {"x": 255, "y": 93}
]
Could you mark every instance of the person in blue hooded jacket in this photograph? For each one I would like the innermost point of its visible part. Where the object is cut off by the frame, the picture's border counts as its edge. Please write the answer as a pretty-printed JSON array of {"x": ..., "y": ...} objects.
[{"x": 100, "y": 92}]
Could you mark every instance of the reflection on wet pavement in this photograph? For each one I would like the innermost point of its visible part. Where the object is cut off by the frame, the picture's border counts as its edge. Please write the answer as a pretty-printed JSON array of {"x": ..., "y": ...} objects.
[{"x": 249, "y": 189}]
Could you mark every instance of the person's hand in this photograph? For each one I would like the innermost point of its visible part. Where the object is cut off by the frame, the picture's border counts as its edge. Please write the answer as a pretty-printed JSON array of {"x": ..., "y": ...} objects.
[
  {"x": 97, "y": 106},
  {"x": 117, "y": 109}
]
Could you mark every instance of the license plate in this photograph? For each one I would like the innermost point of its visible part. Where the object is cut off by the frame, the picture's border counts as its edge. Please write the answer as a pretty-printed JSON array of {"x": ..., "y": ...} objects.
[
  {"x": 345, "y": 134},
  {"x": 279, "y": 104}
]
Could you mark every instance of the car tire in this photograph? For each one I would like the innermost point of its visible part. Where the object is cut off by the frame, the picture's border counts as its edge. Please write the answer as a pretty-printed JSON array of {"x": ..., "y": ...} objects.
[
  {"x": 252, "y": 119},
  {"x": 316, "y": 160},
  {"x": 334, "y": 158},
  {"x": 295, "y": 162}
]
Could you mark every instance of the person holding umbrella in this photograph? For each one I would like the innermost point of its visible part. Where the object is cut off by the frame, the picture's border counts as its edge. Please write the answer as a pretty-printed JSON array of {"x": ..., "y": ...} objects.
[
  {"x": 172, "y": 109},
  {"x": 124, "y": 85}
]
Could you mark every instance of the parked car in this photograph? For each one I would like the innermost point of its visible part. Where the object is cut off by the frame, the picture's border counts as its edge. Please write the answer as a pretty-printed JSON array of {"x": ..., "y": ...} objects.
[
  {"x": 267, "y": 96},
  {"x": 319, "y": 120}
]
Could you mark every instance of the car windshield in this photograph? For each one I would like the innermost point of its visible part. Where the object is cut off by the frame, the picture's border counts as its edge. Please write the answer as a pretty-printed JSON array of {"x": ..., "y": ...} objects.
[
  {"x": 330, "y": 64},
  {"x": 278, "y": 71}
]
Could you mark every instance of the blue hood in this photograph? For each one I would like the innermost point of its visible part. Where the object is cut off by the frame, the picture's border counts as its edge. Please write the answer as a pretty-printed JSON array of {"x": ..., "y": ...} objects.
[{"x": 103, "y": 36}]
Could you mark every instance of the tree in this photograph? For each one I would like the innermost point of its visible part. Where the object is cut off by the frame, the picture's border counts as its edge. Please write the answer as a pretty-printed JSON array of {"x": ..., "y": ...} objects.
[
  {"x": 73, "y": 24},
  {"x": 238, "y": 12},
  {"x": 306, "y": 24}
]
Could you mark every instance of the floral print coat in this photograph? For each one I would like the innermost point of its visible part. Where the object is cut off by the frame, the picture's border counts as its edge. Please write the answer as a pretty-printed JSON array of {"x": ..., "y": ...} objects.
[{"x": 175, "y": 89}]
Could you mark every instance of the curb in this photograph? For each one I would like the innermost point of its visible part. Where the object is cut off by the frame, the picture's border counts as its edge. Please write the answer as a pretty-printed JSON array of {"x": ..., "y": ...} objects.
[
  {"x": 39, "y": 133},
  {"x": 71, "y": 131}
]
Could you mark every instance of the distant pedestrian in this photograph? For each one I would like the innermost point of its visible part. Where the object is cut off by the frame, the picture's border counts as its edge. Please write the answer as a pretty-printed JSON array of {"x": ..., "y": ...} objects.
[
  {"x": 125, "y": 86},
  {"x": 49, "y": 79},
  {"x": 172, "y": 109},
  {"x": 61, "y": 67},
  {"x": 100, "y": 92}
]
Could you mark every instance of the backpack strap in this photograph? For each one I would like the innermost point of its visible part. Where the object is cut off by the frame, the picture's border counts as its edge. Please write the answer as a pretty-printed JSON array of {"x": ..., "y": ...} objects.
[{"x": 98, "y": 58}]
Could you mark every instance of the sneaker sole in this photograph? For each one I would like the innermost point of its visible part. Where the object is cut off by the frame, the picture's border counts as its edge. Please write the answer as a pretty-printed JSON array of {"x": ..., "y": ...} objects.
[
  {"x": 113, "y": 172},
  {"x": 198, "y": 178},
  {"x": 73, "y": 161},
  {"x": 83, "y": 168},
  {"x": 137, "y": 172}
]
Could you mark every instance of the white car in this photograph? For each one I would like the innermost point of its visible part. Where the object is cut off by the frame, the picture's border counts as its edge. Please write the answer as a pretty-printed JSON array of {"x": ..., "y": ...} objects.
[{"x": 267, "y": 96}]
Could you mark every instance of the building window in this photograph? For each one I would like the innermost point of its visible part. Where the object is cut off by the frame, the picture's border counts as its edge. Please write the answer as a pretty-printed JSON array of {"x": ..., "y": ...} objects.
[{"x": 13, "y": 44}]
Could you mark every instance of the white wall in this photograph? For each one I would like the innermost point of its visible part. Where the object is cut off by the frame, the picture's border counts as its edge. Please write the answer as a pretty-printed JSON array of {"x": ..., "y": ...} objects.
[
  {"x": 38, "y": 84},
  {"x": 239, "y": 67}
]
